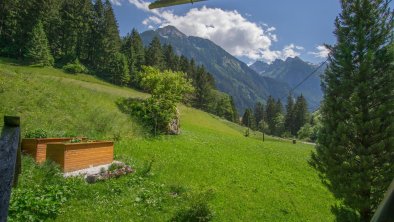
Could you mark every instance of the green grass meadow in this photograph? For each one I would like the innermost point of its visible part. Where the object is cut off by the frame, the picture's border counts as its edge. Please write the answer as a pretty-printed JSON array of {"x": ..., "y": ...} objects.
[{"x": 245, "y": 178}]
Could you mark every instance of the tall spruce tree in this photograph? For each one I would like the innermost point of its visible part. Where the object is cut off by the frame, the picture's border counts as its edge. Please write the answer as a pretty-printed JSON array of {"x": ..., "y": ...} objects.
[
  {"x": 37, "y": 48},
  {"x": 270, "y": 113},
  {"x": 118, "y": 69},
  {"x": 248, "y": 118},
  {"x": 75, "y": 29},
  {"x": 289, "y": 118},
  {"x": 258, "y": 113},
  {"x": 171, "y": 59},
  {"x": 355, "y": 151},
  {"x": 278, "y": 107},
  {"x": 235, "y": 118},
  {"x": 154, "y": 54},
  {"x": 300, "y": 113},
  {"x": 112, "y": 38},
  {"x": 97, "y": 38},
  {"x": 128, "y": 50},
  {"x": 202, "y": 84},
  {"x": 139, "y": 50}
]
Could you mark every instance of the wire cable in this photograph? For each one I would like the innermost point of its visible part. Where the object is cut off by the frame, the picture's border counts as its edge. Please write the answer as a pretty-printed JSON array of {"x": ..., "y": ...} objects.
[{"x": 305, "y": 79}]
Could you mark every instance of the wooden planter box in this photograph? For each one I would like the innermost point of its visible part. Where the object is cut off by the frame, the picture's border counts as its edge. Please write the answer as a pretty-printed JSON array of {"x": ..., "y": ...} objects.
[
  {"x": 37, "y": 148},
  {"x": 78, "y": 156}
]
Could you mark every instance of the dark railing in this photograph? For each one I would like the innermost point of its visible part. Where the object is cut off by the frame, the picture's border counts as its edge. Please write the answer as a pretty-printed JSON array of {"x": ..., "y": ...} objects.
[
  {"x": 385, "y": 211},
  {"x": 10, "y": 161}
]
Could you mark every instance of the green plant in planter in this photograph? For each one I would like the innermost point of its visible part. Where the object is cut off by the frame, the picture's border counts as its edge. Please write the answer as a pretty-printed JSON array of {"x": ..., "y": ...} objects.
[
  {"x": 38, "y": 133},
  {"x": 75, "y": 140}
]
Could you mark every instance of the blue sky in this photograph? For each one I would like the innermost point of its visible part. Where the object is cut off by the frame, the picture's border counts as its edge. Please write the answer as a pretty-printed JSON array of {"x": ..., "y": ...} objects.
[{"x": 249, "y": 29}]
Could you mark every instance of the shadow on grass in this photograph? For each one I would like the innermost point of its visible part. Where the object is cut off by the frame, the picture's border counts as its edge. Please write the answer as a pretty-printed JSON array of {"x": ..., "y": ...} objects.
[{"x": 344, "y": 214}]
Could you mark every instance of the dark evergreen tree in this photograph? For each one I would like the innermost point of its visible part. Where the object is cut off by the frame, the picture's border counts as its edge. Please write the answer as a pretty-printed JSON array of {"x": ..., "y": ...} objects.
[
  {"x": 235, "y": 118},
  {"x": 171, "y": 59},
  {"x": 248, "y": 118},
  {"x": 97, "y": 39},
  {"x": 75, "y": 29},
  {"x": 300, "y": 113},
  {"x": 203, "y": 87},
  {"x": 154, "y": 54},
  {"x": 270, "y": 113},
  {"x": 10, "y": 27},
  {"x": 278, "y": 107},
  {"x": 184, "y": 65},
  {"x": 355, "y": 151},
  {"x": 37, "y": 48},
  {"x": 118, "y": 69},
  {"x": 128, "y": 50},
  {"x": 259, "y": 114},
  {"x": 289, "y": 118},
  {"x": 139, "y": 50},
  {"x": 112, "y": 38}
]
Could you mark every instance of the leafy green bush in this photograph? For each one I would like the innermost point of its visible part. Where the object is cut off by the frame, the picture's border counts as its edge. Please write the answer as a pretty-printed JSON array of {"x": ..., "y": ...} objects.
[
  {"x": 38, "y": 133},
  {"x": 37, "y": 203},
  {"x": 305, "y": 132},
  {"x": 75, "y": 67},
  {"x": 40, "y": 193},
  {"x": 167, "y": 88}
]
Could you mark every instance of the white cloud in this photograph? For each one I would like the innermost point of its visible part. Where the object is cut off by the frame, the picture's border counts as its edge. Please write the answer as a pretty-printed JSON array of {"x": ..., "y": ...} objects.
[
  {"x": 321, "y": 52},
  {"x": 152, "y": 19},
  {"x": 291, "y": 51},
  {"x": 117, "y": 2},
  {"x": 229, "y": 29}
]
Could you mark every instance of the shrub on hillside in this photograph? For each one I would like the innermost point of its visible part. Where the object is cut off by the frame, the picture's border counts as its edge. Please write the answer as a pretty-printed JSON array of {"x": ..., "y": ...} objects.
[
  {"x": 305, "y": 132},
  {"x": 168, "y": 89},
  {"x": 75, "y": 67},
  {"x": 40, "y": 193}
]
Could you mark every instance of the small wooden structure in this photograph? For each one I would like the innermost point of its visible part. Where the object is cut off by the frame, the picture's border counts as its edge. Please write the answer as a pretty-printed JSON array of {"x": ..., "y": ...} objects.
[
  {"x": 77, "y": 156},
  {"x": 37, "y": 148}
]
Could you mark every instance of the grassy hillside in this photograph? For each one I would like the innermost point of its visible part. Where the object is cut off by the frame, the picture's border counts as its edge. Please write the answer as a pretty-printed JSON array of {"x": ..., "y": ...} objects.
[{"x": 248, "y": 179}]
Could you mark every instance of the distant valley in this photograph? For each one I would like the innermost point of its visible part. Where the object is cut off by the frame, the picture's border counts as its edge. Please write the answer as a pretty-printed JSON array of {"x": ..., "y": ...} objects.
[{"x": 247, "y": 85}]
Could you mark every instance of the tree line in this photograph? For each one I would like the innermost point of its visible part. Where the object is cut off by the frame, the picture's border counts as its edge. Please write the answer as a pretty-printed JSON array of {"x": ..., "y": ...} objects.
[
  {"x": 274, "y": 119},
  {"x": 82, "y": 36}
]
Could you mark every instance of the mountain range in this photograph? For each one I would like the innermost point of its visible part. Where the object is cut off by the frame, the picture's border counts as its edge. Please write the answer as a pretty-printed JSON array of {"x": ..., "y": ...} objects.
[
  {"x": 292, "y": 71},
  {"x": 247, "y": 85}
]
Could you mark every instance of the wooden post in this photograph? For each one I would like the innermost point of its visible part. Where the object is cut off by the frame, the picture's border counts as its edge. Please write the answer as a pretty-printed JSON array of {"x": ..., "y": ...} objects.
[{"x": 10, "y": 162}]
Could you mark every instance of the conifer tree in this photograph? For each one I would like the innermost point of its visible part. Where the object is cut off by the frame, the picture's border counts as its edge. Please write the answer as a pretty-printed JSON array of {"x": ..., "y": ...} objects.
[
  {"x": 10, "y": 27},
  {"x": 235, "y": 118},
  {"x": 355, "y": 151},
  {"x": 118, "y": 69},
  {"x": 270, "y": 113},
  {"x": 289, "y": 118},
  {"x": 154, "y": 54},
  {"x": 139, "y": 50},
  {"x": 112, "y": 38},
  {"x": 171, "y": 59},
  {"x": 203, "y": 88},
  {"x": 248, "y": 118},
  {"x": 37, "y": 51},
  {"x": 97, "y": 39},
  {"x": 300, "y": 113},
  {"x": 259, "y": 113},
  {"x": 278, "y": 107},
  {"x": 128, "y": 50}
]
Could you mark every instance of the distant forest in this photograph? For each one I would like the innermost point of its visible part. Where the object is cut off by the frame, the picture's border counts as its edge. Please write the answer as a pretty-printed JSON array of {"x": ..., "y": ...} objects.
[{"x": 82, "y": 36}]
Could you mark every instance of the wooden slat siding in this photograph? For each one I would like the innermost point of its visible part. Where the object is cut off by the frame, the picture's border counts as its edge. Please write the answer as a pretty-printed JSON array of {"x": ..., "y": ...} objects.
[
  {"x": 85, "y": 155},
  {"x": 37, "y": 147},
  {"x": 55, "y": 152},
  {"x": 77, "y": 156},
  {"x": 29, "y": 146}
]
